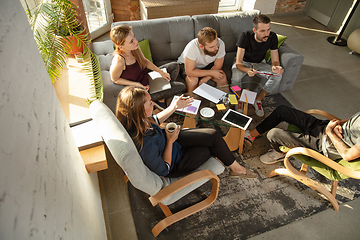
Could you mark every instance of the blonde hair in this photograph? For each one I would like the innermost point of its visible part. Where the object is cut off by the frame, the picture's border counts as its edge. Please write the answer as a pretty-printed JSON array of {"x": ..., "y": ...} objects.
[
  {"x": 206, "y": 35},
  {"x": 118, "y": 35},
  {"x": 131, "y": 113}
]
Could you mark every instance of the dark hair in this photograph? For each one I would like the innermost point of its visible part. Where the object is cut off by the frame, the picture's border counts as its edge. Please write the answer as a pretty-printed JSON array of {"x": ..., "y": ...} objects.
[
  {"x": 206, "y": 35},
  {"x": 261, "y": 18}
]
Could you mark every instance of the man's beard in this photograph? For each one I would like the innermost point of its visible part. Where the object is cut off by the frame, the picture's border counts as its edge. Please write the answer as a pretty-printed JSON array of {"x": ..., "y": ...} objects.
[
  {"x": 211, "y": 54},
  {"x": 263, "y": 39}
]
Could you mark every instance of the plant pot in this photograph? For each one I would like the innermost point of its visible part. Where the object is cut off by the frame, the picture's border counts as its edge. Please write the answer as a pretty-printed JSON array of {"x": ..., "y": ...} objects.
[{"x": 74, "y": 48}]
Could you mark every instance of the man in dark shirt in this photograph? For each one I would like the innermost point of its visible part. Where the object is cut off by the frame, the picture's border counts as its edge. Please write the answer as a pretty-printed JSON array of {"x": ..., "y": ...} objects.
[{"x": 252, "y": 47}]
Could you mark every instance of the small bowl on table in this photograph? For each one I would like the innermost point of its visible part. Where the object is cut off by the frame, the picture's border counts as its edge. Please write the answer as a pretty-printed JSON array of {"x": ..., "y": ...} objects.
[{"x": 207, "y": 113}]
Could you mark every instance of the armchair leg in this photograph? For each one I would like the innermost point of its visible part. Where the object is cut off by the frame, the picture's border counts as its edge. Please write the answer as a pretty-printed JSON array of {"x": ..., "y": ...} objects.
[
  {"x": 172, "y": 218},
  {"x": 304, "y": 168},
  {"x": 290, "y": 171},
  {"x": 165, "y": 210},
  {"x": 334, "y": 185},
  {"x": 125, "y": 178}
]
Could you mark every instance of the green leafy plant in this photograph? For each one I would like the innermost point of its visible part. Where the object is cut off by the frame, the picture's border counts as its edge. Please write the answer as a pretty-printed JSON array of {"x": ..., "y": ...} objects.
[{"x": 55, "y": 26}]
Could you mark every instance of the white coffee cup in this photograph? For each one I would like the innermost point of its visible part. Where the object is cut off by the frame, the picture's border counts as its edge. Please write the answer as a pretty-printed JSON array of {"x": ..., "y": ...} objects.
[{"x": 170, "y": 127}]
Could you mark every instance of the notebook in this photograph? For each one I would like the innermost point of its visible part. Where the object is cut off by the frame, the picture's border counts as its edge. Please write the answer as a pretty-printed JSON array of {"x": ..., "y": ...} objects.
[{"x": 157, "y": 83}]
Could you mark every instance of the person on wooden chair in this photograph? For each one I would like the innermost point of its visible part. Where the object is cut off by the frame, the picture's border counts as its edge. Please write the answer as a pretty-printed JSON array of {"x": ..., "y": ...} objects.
[
  {"x": 335, "y": 139},
  {"x": 202, "y": 60},
  {"x": 171, "y": 154},
  {"x": 252, "y": 47}
]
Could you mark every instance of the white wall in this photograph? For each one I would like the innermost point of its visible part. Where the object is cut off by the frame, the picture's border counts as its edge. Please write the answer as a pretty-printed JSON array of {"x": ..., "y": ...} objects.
[{"x": 45, "y": 191}]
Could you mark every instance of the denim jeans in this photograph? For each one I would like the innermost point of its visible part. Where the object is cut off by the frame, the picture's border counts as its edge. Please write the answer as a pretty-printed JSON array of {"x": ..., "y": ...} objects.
[{"x": 272, "y": 82}]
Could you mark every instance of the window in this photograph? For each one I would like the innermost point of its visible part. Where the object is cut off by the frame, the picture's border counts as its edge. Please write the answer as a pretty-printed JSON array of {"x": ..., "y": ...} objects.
[{"x": 229, "y": 5}]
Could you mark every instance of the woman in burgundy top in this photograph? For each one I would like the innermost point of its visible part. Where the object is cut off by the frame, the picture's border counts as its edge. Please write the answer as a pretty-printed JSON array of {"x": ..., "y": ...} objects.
[{"x": 129, "y": 65}]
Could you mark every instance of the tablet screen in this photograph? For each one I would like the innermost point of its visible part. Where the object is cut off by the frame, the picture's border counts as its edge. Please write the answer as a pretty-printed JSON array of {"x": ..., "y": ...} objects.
[{"x": 235, "y": 118}]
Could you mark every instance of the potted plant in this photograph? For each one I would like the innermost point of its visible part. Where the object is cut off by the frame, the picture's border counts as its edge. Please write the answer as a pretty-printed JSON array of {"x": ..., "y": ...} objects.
[{"x": 56, "y": 28}]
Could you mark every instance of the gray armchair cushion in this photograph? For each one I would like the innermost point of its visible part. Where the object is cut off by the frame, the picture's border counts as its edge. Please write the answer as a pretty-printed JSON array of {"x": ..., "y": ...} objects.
[{"x": 126, "y": 155}]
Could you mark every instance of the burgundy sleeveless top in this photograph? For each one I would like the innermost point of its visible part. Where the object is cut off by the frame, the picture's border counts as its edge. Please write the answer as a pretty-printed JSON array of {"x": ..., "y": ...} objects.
[{"x": 134, "y": 73}]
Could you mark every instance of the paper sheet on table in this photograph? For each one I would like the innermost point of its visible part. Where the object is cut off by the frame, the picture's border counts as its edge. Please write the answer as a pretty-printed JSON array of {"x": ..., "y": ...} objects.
[
  {"x": 157, "y": 82},
  {"x": 209, "y": 92},
  {"x": 250, "y": 96},
  {"x": 193, "y": 108}
]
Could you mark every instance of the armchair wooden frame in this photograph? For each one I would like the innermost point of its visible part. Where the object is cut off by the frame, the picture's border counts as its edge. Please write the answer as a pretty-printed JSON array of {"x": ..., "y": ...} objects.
[
  {"x": 167, "y": 191},
  {"x": 301, "y": 175}
]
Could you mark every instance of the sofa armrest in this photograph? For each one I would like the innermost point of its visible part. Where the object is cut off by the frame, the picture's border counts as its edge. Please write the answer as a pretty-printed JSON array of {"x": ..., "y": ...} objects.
[
  {"x": 289, "y": 56},
  {"x": 291, "y": 61}
]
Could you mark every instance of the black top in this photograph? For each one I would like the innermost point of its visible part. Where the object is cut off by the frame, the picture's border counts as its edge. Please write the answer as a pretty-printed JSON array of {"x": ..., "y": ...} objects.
[{"x": 255, "y": 51}]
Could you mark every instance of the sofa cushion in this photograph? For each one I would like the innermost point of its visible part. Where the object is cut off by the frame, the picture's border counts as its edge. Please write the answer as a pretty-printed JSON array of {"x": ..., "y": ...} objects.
[
  {"x": 167, "y": 36},
  {"x": 145, "y": 48},
  {"x": 281, "y": 40}
]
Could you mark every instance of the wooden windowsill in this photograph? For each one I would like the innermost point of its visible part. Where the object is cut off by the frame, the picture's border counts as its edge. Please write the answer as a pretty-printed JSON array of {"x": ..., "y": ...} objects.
[{"x": 72, "y": 90}]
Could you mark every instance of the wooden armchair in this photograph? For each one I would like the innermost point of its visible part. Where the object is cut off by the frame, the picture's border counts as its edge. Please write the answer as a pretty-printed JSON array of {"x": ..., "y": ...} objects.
[
  {"x": 163, "y": 191},
  {"x": 333, "y": 170}
]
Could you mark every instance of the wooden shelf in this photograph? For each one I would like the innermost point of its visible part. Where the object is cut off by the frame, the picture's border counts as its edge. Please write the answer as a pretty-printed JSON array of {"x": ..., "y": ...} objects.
[{"x": 94, "y": 158}]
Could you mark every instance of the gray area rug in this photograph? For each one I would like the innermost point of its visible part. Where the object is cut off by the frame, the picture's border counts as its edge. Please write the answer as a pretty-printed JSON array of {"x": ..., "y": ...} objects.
[{"x": 244, "y": 208}]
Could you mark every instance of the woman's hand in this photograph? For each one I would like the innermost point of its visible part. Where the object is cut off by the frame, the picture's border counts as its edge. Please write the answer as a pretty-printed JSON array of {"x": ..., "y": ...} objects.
[
  {"x": 147, "y": 87},
  {"x": 183, "y": 102},
  {"x": 171, "y": 137},
  {"x": 165, "y": 75}
]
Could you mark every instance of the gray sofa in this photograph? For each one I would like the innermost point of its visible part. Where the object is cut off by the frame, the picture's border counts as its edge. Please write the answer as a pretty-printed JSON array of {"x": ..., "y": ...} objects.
[{"x": 169, "y": 36}]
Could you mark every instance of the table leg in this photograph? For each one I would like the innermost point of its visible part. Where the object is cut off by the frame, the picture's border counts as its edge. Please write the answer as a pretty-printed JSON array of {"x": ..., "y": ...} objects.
[
  {"x": 232, "y": 138},
  {"x": 189, "y": 121},
  {"x": 242, "y": 132}
]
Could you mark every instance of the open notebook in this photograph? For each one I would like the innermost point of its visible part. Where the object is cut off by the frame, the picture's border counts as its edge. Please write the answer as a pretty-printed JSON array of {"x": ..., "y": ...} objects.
[{"x": 157, "y": 83}]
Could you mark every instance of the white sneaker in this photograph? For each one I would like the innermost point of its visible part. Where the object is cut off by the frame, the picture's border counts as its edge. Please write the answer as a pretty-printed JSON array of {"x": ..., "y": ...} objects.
[
  {"x": 258, "y": 108},
  {"x": 272, "y": 157}
]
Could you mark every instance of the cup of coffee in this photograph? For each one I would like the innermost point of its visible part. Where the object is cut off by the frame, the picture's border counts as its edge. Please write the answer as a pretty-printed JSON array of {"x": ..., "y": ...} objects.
[{"x": 170, "y": 127}]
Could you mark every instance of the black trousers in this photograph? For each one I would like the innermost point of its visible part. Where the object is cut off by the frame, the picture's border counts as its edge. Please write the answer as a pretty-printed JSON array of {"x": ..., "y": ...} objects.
[
  {"x": 176, "y": 87},
  {"x": 311, "y": 127},
  {"x": 200, "y": 145}
]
